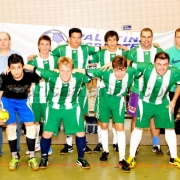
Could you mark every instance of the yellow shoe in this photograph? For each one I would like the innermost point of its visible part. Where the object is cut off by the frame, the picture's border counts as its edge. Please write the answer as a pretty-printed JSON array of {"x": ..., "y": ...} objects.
[
  {"x": 131, "y": 161},
  {"x": 13, "y": 164},
  {"x": 175, "y": 161}
]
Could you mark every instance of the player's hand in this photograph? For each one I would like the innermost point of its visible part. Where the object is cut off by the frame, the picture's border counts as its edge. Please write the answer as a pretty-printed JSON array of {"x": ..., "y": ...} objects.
[
  {"x": 31, "y": 57},
  {"x": 125, "y": 48},
  {"x": 1, "y": 123},
  {"x": 156, "y": 44},
  {"x": 107, "y": 66},
  {"x": 28, "y": 67},
  {"x": 6, "y": 70},
  {"x": 171, "y": 106},
  {"x": 56, "y": 70}
]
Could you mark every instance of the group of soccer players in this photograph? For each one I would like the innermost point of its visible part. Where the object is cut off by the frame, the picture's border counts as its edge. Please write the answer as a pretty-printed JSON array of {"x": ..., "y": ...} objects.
[{"x": 62, "y": 95}]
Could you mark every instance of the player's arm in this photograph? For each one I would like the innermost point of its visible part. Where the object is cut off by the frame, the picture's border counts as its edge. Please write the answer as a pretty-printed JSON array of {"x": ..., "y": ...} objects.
[{"x": 31, "y": 57}]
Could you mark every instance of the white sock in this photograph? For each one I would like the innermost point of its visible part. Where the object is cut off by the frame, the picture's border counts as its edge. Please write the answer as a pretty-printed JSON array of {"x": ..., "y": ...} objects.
[
  {"x": 121, "y": 137},
  {"x": 37, "y": 135},
  {"x": 171, "y": 140},
  {"x": 115, "y": 141},
  {"x": 69, "y": 140},
  {"x": 135, "y": 139},
  {"x": 99, "y": 134},
  {"x": 104, "y": 139}
]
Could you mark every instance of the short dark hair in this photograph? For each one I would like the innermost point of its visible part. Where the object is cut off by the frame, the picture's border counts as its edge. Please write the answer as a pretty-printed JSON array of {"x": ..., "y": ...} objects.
[
  {"x": 177, "y": 30},
  {"x": 161, "y": 55},
  {"x": 111, "y": 34},
  {"x": 44, "y": 37},
  {"x": 146, "y": 30},
  {"x": 119, "y": 62},
  {"x": 75, "y": 30},
  {"x": 14, "y": 59}
]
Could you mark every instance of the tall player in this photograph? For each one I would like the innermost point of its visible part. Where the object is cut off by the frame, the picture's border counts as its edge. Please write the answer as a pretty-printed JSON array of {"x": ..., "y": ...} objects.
[
  {"x": 38, "y": 91},
  {"x": 145, "y": 52},
  {"x": 102, "y": 57},
  {"x": 154, "y": 102}
]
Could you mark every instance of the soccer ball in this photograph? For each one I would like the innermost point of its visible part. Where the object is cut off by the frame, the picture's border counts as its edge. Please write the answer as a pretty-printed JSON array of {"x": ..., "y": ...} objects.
[
  {"x": 57, "y": 37},
  {"x": 4, "y": 115}
]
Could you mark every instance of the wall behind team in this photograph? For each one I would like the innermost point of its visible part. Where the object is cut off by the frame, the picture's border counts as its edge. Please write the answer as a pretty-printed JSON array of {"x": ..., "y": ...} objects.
[{"x": 24, "y": 37}]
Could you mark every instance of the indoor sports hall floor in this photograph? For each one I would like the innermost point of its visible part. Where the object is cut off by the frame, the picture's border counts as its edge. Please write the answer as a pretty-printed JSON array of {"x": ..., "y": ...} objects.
[{"x": 63, "y": 167}]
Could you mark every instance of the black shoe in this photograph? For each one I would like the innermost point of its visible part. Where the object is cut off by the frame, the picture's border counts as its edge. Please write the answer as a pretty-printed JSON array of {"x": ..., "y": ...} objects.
[
  {"x": 43, "y": 163},
  {"x": 66, "y": 149},
  {"x": 168, "y": 152},
  {"x": 124, "y": 166},
  {"x": 18, "y": 155},
  {"x": 88, "y": 150},
  {"x": 82, "y": 162},
  {"x": 98, "y": 148},
  {"x": 117, "y": 148},
  {"x": 104, "y": 156},
  {"x": 157, "y": 150},
  {"x": 114, "y": 146}
]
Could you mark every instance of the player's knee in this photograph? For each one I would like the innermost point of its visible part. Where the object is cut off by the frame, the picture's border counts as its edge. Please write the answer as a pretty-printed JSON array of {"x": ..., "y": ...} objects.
[
  {"x": 11, "y": 132},
  {"x": 31, "y": 132}
]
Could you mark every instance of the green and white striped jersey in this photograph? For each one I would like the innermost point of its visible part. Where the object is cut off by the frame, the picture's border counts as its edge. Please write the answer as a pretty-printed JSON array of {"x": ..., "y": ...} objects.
[
  {"x": 80, "y": 55},
  {"x": 155, "y": 87},
  {"x": 104, "y": 56},
  {"x": 113, "y": 86},
  {"x": 138, "y": 54},
  {"x": 60, "y": 94},
  {"x": 38, "y": 91}
]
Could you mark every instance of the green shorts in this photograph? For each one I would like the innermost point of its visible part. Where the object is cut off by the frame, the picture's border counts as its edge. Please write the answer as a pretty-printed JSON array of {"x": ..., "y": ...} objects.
[
  {"x": 163, "y": 118},
  {"x": 72, "y": 119},
  {"x": 39, "y": 110},
  {"x": 111, "y": 105},
  {"x": 83, "y": 100}
]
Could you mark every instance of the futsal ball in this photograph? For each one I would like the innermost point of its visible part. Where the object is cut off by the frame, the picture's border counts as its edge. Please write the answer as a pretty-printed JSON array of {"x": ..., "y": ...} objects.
[
  {"x": 57, "y": 37},
  {"x": 4, "y": 115}
]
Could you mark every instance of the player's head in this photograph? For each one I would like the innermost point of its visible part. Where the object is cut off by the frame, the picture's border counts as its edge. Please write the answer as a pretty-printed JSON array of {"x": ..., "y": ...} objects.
[
  {"x": 177, "y": 38},
  {"x": 5, "y": 41},
  {"x": 65, "y": 66},
  {"x": 75, "y": 37},
  {"x": 44, "y": 44},
  {"x": 161, "y": 63},
  {"x": 119, "y": 65},
  {"x": 111, "y": 38},
  {"x": 146, "y": 38},
  {"x": 16, "y": 63}
]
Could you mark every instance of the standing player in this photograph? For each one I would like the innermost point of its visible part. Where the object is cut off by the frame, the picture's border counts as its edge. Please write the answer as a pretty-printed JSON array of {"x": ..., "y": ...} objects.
[
  {"x": 111, "y": 100},
  {"x": 15, "y": 88},
  {"x": 102, "y": 57},
  {"x": 154, "y": 102},
  {"x": 144, "y": 53},
  {"x": 38, "y": 91},
  {"x": 174, "y": 54},
  {"x": 5, "y": 52},
  {"x": 63, "y": 104}
]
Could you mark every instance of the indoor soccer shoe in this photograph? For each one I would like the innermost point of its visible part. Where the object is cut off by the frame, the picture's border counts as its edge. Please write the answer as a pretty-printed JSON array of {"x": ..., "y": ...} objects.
[
  {"x": 124, "y": 166},
  {"x": 13, "y": 164},
  {"x": 43, "y": 163},
  {"x": 131, "y": 161},
  {"x": 82, "y": 162},
  {"x": 175, "y": 161},
  {"x": 88, "y": 150},
  {"x": 32, "y": 162},
  {"x": 67, "y": 149},
  {"x": 157, "y": 150},
  {"x": 98, "y": 148},
  {"x": 104, "y": 156}
]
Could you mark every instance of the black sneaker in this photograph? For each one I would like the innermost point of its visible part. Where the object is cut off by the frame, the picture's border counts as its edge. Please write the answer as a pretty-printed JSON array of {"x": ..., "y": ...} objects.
[
  {"x": 157, "y": 150},
  {"x": 104, "y": 156},
  {"x": 66, "y": 149},
  {"x": 168, "y": 152},
  {"x": 124, "y": 166},
  {"x": 82, "y": 162},
  {"x": 43, "y": 163},
  {"x": 88, "y": 150},
  {"x": 114, "y": 146},
  {"x": 98, "y": 148}
]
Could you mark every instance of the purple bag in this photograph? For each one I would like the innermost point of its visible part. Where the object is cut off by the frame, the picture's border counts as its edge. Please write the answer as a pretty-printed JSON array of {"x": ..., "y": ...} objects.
[{"x": 133, "y": 104}]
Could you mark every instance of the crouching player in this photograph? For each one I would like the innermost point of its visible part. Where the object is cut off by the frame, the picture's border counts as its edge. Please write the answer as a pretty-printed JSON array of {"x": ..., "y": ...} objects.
[
  {"x": 62, "y": 103},
  {"x": 15, "y": 86}
]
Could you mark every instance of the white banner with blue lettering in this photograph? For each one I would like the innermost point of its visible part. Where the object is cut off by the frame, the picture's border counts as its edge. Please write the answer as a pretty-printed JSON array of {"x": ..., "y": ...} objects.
[{"x": 24, "y": 37}]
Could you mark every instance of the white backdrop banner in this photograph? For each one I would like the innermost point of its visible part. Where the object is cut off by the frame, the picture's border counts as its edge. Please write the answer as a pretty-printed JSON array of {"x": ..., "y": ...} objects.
[{"x": 24, "y": 37}]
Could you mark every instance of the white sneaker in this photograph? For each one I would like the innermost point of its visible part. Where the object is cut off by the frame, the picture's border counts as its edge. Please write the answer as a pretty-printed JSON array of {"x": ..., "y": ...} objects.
[
  {"x": 37, "y": 148},
  {"x": 50, "y": 151}
]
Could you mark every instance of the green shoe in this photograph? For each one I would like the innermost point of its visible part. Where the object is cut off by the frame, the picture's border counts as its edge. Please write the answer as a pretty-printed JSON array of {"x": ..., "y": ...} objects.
[
  {"x": 13, "y": 164},
  {"x": 33, "y": 163}
]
